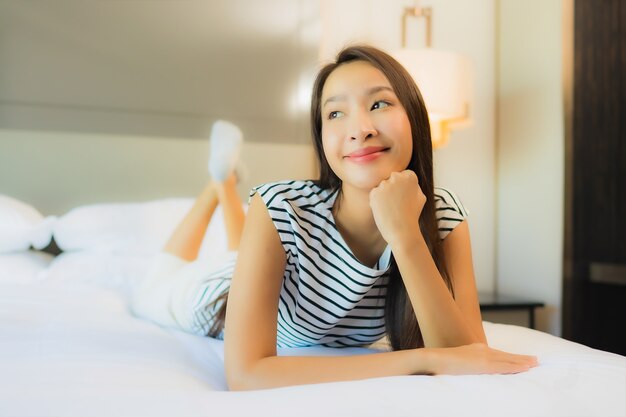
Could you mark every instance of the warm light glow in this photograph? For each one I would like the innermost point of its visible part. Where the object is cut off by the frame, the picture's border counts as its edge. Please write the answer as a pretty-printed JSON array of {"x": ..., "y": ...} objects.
[{"x": 442, "y": 78}]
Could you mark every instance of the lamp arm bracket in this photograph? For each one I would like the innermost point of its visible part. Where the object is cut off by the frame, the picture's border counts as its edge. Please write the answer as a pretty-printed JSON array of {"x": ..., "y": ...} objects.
[{"x": 418, "y": 12}]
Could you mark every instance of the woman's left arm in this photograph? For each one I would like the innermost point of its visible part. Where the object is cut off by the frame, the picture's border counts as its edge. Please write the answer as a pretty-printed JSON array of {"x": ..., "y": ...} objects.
[
  {"x": 458, "y": 254},
  {"x": 444, "y": 321}
]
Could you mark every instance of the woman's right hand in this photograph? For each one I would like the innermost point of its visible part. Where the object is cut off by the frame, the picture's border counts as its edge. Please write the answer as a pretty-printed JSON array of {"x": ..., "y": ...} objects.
[{"x": 478, "y": 358}]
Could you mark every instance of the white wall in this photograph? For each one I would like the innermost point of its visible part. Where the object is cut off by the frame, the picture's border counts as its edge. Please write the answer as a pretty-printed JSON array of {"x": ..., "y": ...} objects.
[
  {"x": 466, "y": 164},
  {"x": 55, "y": 171},
  {"x": 157, "y": 68},
  {"x": 531, "y": 155}
]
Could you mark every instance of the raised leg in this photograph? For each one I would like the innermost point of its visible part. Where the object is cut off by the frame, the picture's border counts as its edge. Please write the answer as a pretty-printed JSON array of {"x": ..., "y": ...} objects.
[
  {"x": 187, "y": 238},
  {"x": 232, "y": 208}
]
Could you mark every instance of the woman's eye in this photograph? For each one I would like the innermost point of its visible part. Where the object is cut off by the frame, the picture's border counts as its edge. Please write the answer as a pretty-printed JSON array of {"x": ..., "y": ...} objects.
[
  {"x": 334, "y": 114},
  {"x": 380, "y": 105}
]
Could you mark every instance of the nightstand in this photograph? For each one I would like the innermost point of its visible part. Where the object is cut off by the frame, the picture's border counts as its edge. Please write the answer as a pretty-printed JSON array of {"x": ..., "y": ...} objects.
[{"x": 501, "y": 302}]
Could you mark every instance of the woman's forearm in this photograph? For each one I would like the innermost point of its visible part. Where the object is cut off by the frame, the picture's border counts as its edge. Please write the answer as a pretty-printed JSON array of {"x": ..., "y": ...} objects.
[
  {"x": 279, "y": 371},
  {"x": 440, "y": 319}
]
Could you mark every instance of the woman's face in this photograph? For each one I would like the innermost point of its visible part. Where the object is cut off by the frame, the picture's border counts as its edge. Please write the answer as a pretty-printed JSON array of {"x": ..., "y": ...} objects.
[{"x": 366, "y": 132}]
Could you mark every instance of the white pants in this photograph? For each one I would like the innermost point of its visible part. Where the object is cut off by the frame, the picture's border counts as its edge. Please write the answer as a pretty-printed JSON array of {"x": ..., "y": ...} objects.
[{"x": 177, "y": 293}]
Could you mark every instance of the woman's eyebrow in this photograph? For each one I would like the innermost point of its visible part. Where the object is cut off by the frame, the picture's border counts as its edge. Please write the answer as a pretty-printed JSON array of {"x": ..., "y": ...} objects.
[
  {"x": 375, "y": 90},
  {"x": 334, "y": 98},
  {"x": 368, "y": 92}
]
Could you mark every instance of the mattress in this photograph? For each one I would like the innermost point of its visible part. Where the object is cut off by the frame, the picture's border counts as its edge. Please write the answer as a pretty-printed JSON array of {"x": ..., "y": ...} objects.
[{"x": 70, "y": 346}]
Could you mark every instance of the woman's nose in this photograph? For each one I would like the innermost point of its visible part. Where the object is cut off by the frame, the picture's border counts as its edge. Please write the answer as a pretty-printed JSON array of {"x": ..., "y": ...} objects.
[{"x": 361, "y": 126}]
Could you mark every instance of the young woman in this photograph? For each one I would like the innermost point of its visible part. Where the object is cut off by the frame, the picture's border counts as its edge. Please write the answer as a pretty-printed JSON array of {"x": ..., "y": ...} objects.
[{"x": 370, "y": 249}]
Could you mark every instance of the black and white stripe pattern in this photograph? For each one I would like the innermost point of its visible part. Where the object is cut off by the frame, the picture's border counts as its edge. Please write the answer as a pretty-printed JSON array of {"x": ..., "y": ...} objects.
[
  {"x": 202, "y": 308},
  {"x": 328, "y": 297},
  {"x": 449, "y": 211}
]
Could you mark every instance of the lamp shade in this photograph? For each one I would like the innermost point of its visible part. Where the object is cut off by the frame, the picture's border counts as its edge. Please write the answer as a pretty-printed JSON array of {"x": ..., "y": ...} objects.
[{"x": 442, "y": 78}]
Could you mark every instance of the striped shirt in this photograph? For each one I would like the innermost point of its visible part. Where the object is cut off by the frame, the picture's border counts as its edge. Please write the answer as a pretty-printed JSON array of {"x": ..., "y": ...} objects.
[{"x": 328, "y": 297}]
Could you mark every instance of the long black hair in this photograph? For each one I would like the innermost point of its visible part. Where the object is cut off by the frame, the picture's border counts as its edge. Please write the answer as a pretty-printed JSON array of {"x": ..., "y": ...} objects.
[{"x": 401, "y": 323}]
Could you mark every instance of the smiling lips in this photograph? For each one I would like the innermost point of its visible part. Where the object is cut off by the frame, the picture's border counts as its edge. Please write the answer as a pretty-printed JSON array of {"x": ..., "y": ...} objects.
[{"x": 366, "y": 154}]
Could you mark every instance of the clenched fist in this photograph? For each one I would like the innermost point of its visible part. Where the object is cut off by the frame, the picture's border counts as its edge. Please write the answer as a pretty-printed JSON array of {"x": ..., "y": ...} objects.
[{"x": 397, "y": 203}]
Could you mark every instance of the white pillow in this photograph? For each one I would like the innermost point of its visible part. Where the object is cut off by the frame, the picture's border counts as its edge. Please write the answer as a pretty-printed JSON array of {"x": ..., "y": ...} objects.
[
  {"x": 21, "y": 226},
  {"x": 23, "y": 267},
  {"x": 132, "y": 228}
]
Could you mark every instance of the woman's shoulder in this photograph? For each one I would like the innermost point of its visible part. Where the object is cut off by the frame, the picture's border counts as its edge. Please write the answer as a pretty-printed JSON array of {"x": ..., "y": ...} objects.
[
  {"x": 446, "y": 201},
  {"x": 294, "y": 192},
  {"x": 448, "y": 206},
  {"x": 449, "y": 211}
]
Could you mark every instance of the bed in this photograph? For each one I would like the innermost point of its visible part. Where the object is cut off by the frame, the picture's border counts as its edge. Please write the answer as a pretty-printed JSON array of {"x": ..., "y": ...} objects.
[{"x": 70, "y": 347}]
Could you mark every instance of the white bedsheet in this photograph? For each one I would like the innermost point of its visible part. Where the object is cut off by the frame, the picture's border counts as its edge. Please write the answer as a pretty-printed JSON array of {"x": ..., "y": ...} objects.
[
  {"x": 23, "y": 267},
  {"x": 73, "y": 349}
]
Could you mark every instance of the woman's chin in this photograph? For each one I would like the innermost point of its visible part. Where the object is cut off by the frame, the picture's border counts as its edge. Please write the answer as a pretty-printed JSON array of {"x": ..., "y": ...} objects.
[
  {"x": 366, "y": 182},
  {"x": 369, "y": 177}
]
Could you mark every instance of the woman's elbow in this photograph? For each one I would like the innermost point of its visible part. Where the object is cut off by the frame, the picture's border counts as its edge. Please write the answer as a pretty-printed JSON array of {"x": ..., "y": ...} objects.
[
  {"x": 236, "y": 378},
  {"x": 237, "y": 384},
  {"x": 240, "y": 378},
  {"x": 241, "y": 382}
]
